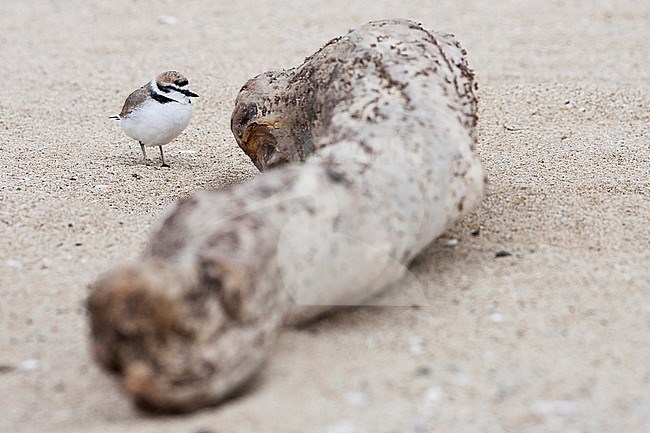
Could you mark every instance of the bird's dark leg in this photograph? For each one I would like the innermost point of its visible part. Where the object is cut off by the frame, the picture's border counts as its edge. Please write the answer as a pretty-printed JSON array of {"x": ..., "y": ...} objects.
[
  {"x": 162, "y": 156},
  {"x": 144, "y": 154}
]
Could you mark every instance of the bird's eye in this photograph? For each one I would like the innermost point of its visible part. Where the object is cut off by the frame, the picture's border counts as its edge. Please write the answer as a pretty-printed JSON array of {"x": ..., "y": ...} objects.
[{"x": 181, "y": 83}]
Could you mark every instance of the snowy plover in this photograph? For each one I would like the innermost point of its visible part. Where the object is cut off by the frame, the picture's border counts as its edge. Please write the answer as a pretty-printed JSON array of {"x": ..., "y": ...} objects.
[{"x": 157, "y": 112}]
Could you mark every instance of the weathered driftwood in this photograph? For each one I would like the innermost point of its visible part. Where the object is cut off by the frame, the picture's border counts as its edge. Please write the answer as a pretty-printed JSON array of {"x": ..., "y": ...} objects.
[{"x": 380, "y": 125}]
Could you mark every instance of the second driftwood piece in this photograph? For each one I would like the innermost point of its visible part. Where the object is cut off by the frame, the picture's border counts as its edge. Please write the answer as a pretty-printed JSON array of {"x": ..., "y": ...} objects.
[{"x": 375, "y": 134}]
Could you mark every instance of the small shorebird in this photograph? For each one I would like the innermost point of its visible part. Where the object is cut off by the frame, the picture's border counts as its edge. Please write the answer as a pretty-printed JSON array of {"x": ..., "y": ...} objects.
[{"x": 157, "y": 112}]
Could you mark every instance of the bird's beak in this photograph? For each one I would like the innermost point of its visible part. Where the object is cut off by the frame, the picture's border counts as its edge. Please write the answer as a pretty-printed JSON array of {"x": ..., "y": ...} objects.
[{"x": 190, "y": 93}]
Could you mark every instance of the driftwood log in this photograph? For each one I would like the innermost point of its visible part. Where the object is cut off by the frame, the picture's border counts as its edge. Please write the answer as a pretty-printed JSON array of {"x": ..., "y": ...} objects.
[{"x": 374, "y": 134}]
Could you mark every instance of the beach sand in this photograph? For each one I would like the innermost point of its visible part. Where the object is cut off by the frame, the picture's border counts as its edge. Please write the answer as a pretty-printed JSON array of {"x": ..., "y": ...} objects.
[{"x": 553, "y": 337}]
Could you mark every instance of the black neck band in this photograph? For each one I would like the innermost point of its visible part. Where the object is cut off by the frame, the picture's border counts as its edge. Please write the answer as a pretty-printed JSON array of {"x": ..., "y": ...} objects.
[{"x": 161, "y": 98}]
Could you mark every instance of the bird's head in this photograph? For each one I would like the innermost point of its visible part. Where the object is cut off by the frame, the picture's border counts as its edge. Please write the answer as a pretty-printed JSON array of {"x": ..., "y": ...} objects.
[{"x": 175, "y": 85}]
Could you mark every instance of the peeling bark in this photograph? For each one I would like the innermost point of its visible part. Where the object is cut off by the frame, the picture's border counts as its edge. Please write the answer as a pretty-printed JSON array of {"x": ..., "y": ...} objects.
[{"x": 375, "y": 137}]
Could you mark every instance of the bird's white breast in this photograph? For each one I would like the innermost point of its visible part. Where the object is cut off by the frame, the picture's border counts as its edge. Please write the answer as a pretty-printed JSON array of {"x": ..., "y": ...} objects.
[{"x": 156, "y": 124}]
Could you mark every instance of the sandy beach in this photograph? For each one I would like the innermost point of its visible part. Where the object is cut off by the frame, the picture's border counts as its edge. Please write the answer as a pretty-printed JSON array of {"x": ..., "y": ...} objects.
[{"x": 536, "y": 320}]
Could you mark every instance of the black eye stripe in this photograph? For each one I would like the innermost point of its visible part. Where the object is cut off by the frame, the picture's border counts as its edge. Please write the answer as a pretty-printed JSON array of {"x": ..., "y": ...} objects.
[{"x": 168, "y": 88}]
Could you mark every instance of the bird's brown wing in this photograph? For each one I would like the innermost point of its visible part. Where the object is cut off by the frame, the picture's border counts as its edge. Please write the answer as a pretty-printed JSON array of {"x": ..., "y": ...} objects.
[{"x": 135, "y": 99}]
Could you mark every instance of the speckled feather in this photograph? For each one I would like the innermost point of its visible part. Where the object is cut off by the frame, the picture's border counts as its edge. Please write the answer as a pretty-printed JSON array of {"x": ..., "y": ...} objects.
[{"x": 135, "y": 100}]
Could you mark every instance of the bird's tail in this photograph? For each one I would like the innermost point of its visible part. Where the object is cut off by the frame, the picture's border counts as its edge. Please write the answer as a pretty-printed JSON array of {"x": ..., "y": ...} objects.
[{"x": 114, "y": 117}]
